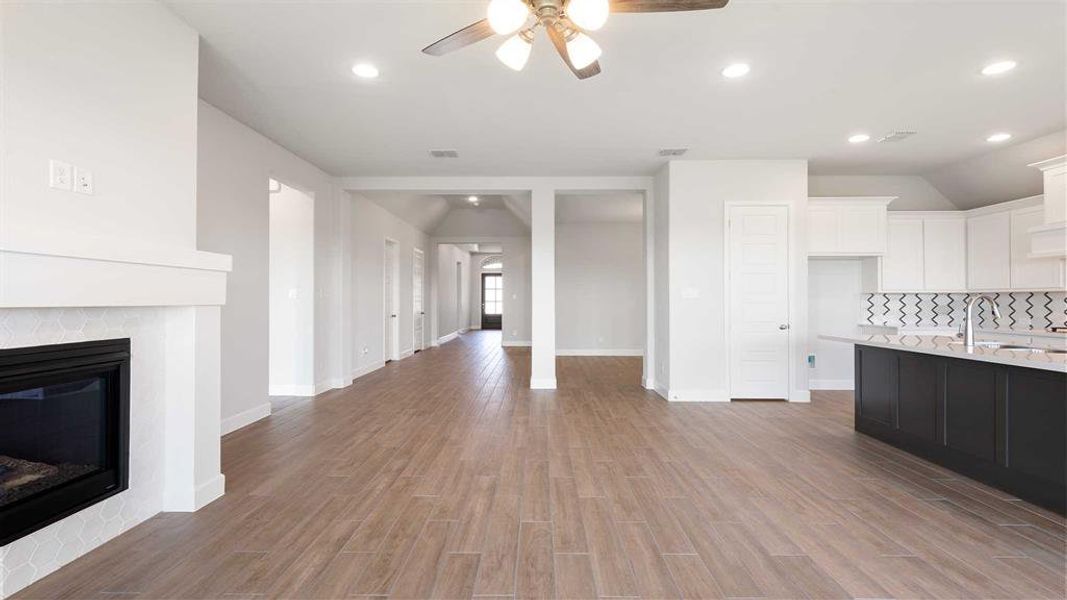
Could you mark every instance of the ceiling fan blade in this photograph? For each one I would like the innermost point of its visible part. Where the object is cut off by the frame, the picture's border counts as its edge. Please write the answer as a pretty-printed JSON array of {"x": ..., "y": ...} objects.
[
  {"x": 649, "y": 6},
  {"x": 471, "y": 34},
  {"x": 561, "y": 46}
]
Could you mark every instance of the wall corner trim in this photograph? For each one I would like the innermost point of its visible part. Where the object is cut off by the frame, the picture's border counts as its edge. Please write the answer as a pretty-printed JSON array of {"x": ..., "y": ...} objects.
[{"x": 366, "y": 370}]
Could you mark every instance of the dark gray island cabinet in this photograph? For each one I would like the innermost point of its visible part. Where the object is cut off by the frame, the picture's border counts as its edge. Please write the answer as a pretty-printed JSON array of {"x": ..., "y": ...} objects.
[{"x": 1002, "y": 424}]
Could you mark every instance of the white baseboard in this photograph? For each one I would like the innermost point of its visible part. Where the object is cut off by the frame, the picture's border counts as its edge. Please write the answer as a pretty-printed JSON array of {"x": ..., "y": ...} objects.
[
  {"x": 476, "y": 327},
  {"x": 802, "y": 396},
  {"x": 407, "y": 353},
  {"x": 192, "y": 499},
  {"x": 444, "y": 339},
  {"x": 331, "y": 384},
  {"x": 697, "y": 396},
  {"x": 367, "y": 370},
  {"x": 600, "y": 352},
  {"x": 648, "y": 383},
  {"x": 245, "y": 418},
  {"x": 832, "y": 384},
  {"x": 465, "y": 330},
  {"x": 291, "y": 390},
  {"x": 210, "y": 491},
  {"x": 663, "y": 392},
  {"x": 516, "y": 343},
  {"x": 543, "y": 384}
]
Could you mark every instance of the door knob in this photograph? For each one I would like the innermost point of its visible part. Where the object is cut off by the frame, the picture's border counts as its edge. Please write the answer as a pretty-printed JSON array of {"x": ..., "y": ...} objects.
[
  {"x": 393, "y": 316},
  {"x": 783, "y": 327}
]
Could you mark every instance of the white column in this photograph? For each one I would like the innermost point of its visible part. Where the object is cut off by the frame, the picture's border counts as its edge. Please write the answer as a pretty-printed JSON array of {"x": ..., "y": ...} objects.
[
  {"x": 543, "y": 289},
  {"x": 192, "y": 475}
]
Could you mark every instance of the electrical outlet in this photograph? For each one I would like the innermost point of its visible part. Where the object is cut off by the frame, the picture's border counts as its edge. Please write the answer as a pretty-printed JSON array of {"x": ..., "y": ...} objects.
[
  {"x": 83, "y": 181},
  {"x": 365, "y": 350},
  {"x": 60, "y": 175}
]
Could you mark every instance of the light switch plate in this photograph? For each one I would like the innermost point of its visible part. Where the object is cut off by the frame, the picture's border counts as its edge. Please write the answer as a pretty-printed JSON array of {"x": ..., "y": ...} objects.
[
  {"x": 83, "y": 181},
  {"x": 60, "y": 175}
]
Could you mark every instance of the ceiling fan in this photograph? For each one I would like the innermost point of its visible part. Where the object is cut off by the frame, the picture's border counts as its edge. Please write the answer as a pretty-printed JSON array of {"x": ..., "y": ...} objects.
[{"x": 566, "y": 23}]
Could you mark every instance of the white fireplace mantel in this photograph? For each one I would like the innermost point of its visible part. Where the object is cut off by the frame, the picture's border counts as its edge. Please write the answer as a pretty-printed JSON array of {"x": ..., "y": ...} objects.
[{"x": 63, "y": 275}]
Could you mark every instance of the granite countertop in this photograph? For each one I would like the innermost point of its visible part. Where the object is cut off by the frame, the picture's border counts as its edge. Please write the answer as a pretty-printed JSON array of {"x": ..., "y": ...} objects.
[
  {"x": 948, "y": 331},
  {"x": 951, "y": 347}
]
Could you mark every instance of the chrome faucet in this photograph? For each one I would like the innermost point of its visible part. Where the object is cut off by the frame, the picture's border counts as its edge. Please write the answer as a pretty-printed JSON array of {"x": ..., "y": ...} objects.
[{"x": 968, "y": 321}]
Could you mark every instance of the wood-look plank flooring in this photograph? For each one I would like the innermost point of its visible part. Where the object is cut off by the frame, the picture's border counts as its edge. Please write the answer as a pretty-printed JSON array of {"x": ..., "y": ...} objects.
[{"x": 442, "y": 476}]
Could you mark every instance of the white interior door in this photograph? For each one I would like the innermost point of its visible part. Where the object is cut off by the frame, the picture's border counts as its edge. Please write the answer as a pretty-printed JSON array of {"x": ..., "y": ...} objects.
[
  {"x": 759, "y": 301},
  {"x": 389, "y": 301},
  {"x": 419, "y": 316}
]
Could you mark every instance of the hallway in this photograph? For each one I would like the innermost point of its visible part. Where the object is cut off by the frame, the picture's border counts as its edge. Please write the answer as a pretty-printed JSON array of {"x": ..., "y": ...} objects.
[{"x": 442, "y": 475}]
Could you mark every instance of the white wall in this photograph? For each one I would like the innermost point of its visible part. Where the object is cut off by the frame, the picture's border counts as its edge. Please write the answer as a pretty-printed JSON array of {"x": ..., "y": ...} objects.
[
  {"x": 370, "y": 225},
  {"x": 696, "y": 195},
  {"x": 292, "y": 292},
  {"x": 233, "y": 212},
  {"x": 600, "y": 283},
  {"x": 835, "y": 287},
  {"x": 661, "y": 287},
  {"x": 453, "y": 317},
  {"x": 913, "y": 192},
  {"x": 98, "y": 85}
]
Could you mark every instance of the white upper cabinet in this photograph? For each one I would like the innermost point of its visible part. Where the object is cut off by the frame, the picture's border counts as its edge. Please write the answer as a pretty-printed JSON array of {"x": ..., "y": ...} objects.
[
  {"x": 989, "y": 251},
  {"x": 927, "y": 253},
  {"x": 902, "y": 266},
  {"x": 1031, "y": 273},
  {"x": 945, "y": 253},
  {"x": 847, "y": 226}
]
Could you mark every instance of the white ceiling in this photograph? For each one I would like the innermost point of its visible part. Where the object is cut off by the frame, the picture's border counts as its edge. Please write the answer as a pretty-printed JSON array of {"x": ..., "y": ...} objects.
[
  {"x": 821, "y": 71},
  {"x": 600, "y": 208}
]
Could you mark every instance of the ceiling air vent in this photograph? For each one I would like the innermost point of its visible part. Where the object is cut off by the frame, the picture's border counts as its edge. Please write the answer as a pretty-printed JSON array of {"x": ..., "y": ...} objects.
[
  {"x": 444, "y": 154},
  {"x": 896, "y": 136},
  {"x": 673, "y": 151}
]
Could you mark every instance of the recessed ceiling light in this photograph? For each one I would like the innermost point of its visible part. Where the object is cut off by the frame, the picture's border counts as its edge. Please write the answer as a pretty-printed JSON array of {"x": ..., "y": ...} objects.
[
  {"x": 472, "y": 199},
  {"x": 736, "y": 70},
  {"x": 859, "y": 138},
  {"x": 365, "y": 70},
  {"x": 996, "y": 138},
  {"x": 999, "y": 67}
]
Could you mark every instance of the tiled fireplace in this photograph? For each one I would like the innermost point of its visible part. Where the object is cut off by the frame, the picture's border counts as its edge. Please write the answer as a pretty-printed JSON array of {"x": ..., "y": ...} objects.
[{"x": 64, "y": 431}]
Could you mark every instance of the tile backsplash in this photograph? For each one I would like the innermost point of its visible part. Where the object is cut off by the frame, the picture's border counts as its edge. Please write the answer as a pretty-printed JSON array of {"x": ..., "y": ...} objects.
[{"x": 1018, "y": 310}]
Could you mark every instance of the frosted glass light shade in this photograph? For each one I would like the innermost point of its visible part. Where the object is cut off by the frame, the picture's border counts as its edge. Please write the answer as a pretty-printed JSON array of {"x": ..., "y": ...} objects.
[
  {"x": 590, "y": 15},
  {"x": 514, "y": 52},
  {"x": 583, "y": 51},
  {"x": 507, "y": 16}
]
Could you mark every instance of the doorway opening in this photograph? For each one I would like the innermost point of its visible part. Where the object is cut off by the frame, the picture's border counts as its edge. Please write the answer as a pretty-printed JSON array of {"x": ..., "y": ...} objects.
[
  {"x": 291, "y": 283},
  {"x": 391, "y": 301},
  {"x": 492, "y": 300}
]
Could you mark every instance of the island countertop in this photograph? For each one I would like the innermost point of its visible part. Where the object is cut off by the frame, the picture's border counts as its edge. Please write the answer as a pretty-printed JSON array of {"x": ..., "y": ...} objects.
[{"x": 953, "y": 348}]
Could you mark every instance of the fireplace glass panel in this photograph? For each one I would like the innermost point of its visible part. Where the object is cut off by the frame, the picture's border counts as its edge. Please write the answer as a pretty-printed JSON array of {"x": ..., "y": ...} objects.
[{"x": 55, "y": 434}]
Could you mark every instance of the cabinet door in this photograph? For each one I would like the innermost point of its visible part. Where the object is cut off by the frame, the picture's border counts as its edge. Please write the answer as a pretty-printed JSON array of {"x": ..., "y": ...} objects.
[
  {"x": 876, "y": 395},
  {"x": 945, "y": 254},
  {"x": 920, "y": 383},
  {"x": 1036, "y": 415},
  {"x": 1029, "y": 273},
  {"x": 902, "y": 266},
  {"x": 971, "y": 408},
  {"x": 861, "y": 230},
  {"x": 823, "y": 225},
  {"x": 989, "y": 252}
]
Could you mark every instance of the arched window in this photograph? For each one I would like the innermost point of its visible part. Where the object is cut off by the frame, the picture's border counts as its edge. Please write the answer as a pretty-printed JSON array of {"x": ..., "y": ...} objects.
[{"x": 493, "y": 263}]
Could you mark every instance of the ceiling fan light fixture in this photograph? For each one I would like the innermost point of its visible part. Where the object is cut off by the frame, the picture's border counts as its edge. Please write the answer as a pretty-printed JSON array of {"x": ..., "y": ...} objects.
[
  {"x": 583, "y": 50},
  {"x": 507, "y": 16},
  {"x": 515, "y": 52},
  {"x": 590, "y": 15}
]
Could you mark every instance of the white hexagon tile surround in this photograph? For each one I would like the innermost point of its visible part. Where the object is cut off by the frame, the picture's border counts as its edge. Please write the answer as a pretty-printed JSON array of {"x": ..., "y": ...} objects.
[{"x": 31, "y": 558}]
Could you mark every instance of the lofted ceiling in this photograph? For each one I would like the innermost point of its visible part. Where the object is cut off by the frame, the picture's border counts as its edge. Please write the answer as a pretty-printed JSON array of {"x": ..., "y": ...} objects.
[
  {"x": 821, "y": 70},
  {"x": 426, "y": 212}
]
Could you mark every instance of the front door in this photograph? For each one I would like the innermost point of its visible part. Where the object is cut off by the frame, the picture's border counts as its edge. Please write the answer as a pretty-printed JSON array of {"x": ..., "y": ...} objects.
[
  {"x": 759, "y": 301},
  {"x": 492, "y": 300}
]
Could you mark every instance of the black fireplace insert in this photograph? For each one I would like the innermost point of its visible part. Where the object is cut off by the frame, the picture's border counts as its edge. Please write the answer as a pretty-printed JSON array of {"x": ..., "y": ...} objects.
[{"x": 64, "y": 431}]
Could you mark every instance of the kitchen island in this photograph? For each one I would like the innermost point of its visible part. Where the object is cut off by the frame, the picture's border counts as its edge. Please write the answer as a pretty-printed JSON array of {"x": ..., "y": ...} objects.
[{"x": 995, "y": 414}]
